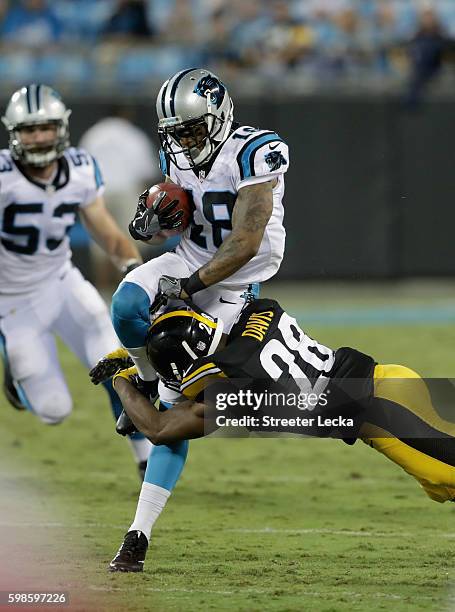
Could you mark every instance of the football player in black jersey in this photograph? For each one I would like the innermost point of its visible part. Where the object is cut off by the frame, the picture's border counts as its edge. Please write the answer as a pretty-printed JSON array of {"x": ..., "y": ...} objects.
[
  {"x": 389, "y": 407},
  {"x": 267, "y": 343}
]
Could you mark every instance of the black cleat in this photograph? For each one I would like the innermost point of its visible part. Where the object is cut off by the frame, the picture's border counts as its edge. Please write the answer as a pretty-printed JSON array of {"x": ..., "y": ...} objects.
[
  {"x": 125, "y": 425},
  {"x": 131, "y": 555},
  {"x": 141, "y": 467},
  {"x": 10, "y": 391}
]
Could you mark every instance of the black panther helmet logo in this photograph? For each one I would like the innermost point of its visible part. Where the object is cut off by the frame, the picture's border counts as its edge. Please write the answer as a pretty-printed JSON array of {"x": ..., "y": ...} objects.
[{"x": 210, "y": 84}]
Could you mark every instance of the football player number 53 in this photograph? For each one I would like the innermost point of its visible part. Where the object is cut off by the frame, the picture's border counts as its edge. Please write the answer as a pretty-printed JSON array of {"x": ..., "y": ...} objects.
[{"x": 28, "y": 235}]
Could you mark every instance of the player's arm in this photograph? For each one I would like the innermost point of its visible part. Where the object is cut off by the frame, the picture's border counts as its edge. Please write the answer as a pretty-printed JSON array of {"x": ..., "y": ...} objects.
[
  {"x": 184, "y": 421},
  {"x": 252, "y": 211},
  {"x": 104, "y": 229}
]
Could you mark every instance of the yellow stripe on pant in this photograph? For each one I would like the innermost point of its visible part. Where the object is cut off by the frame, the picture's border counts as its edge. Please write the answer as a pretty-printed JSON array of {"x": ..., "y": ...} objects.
[{"x": 436, "y": 477}]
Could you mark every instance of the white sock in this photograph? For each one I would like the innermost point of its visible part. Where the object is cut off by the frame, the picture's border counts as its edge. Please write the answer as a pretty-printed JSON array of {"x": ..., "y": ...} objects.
[
  {"x": 145, "y": 369},
  {"x": 152, "y": 500},
  {"x": 141, "y": 449}
]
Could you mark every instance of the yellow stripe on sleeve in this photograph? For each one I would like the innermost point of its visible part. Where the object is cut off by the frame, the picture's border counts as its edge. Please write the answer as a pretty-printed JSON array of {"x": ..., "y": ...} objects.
[
  {"x": 206, "y": 366},
  {"x": 193, "y": 389}
]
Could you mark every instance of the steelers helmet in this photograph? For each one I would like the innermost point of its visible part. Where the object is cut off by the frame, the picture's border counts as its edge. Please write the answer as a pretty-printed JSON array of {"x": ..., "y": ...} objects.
[
  {"x": 194, "y": 104},
  {"x": 36, "y": 104},
  {"x": 177, "y": 338}
]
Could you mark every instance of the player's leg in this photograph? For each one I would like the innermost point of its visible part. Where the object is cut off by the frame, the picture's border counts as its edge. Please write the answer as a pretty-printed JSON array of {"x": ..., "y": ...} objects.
[
  {"x": 430, "y": 460},
  {"x": 166, "y": 462},
  {"x": 436, "y": 477},
  {"x": 11, "y": 389},
  {"x": 164, "y": 467},
  {"x": 131, "y": 303},
  {"x": 85, "y": 326},
  {"x": 31, "y": 354},
  {"x": 130, "y": 316}
]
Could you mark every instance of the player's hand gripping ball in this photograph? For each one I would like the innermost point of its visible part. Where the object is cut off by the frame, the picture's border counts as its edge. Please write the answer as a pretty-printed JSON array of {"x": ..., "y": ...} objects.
[{"x": 164, "y": 208}]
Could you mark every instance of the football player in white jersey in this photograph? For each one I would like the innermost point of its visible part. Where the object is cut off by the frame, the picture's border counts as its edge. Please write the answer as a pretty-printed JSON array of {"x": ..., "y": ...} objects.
[
  {"x": 44, "y": 184},
  {"x": 236, "y": 239}
]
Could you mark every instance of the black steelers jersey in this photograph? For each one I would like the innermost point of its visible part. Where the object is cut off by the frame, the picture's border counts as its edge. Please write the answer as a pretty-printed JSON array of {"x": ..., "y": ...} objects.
[{"x": 267, "y": 349}]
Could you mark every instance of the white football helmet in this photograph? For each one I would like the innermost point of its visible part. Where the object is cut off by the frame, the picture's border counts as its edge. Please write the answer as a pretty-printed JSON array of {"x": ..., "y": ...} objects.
[
  {"x": 190, "y": 99},
  {"x": 36, "y": 104}
]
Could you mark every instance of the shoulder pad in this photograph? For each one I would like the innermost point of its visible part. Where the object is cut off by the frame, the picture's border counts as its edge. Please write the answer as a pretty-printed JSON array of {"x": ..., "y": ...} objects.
[
  {"x": 252, "y": 141},
  {"x": 80, "y": 158}
]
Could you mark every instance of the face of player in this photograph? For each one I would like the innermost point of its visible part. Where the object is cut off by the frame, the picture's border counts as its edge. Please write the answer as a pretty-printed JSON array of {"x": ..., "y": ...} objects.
[
  {"x": 38, "y": 138},
  {"x": 192, "y": 137}
]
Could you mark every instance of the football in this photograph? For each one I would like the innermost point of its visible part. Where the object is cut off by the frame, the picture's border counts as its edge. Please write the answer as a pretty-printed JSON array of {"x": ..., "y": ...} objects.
[{"x": 173, "y": 192}]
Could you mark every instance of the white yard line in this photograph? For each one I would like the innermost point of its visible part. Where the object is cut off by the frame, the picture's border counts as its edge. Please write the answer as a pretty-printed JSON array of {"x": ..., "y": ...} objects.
[
  {"x": 244, "y": 530},
  {"x": 323, "y": 531},
  {"x": 239, "y": 590}
]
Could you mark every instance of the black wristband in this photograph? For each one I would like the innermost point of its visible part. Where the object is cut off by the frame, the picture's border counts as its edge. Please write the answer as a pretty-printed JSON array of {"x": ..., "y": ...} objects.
[{"x": 193, "y": 284}]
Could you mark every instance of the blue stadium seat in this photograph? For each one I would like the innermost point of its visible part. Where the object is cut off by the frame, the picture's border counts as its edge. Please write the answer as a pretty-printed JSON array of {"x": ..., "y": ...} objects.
[
  {"x": 139, "y": 64},
  {"x": 446, "y": 9},
  {"x": 83, "y": 19},
  {"x": 63, "y": 67},
  {"x": 17, "y": 67}
]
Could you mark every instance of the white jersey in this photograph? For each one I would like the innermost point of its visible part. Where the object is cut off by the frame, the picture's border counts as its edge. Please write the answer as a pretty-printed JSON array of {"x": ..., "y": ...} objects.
[
  {"x": 35, "y": 219},
  {"x": 247, "y": 157}
]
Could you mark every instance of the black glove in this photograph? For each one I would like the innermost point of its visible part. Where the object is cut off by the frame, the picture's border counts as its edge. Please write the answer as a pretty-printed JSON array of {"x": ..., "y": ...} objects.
[
  {"x": 110, "y": 365},
  {"x": 149, "y": 221}
]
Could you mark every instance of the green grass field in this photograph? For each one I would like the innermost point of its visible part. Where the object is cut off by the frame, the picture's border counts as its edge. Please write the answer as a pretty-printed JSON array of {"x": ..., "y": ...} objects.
[{"x": 253, "y": 525}]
